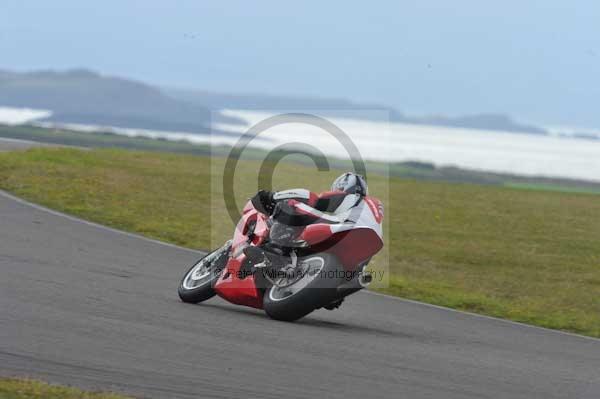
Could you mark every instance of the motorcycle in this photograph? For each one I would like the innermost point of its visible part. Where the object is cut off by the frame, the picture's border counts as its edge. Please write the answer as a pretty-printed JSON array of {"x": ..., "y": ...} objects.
[{"x": 290, "y": 271}]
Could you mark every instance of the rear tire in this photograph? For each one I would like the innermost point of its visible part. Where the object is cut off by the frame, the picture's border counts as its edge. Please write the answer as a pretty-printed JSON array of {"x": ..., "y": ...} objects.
[
  {"x": 318, "y": 292},
  {"x": 197, "y": 283}
]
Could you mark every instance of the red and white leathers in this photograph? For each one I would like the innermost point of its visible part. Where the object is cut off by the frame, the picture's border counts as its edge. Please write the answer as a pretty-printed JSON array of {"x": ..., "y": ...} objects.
[
  {"x": 341, "y": 210},
  {"x": 330, "y": 206}
]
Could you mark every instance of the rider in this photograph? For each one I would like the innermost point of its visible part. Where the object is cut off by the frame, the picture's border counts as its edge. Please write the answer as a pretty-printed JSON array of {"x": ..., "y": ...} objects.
[
  {"x": 292, "y": 209},
  {"x": 300, "y": 207}
]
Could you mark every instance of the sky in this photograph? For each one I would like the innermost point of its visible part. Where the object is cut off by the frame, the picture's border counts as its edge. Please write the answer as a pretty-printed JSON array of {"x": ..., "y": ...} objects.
[{"x": 538, "y": 61}]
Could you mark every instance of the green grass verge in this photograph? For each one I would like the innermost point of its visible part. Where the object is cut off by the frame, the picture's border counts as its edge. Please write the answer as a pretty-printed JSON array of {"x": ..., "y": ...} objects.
[
  {"x": 552, "y": 187},
  {"x": 530, "y": 256},
  {"x": 29, "y": 389},
  {"x": 410, "y": 170}
]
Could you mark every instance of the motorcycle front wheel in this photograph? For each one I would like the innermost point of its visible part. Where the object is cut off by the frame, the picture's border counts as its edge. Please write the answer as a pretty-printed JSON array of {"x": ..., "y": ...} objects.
[
  {"x": 312, "y": 285},
  {"x": 197, "y": 284}
]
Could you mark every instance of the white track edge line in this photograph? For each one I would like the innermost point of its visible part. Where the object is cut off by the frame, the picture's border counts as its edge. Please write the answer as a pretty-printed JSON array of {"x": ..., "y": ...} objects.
[
  {"x": 11, "y": 140},
  {"x": 430, "y": 305},
  {"x": 479, "y": 315},
  {"x": 93, "y": 224}
]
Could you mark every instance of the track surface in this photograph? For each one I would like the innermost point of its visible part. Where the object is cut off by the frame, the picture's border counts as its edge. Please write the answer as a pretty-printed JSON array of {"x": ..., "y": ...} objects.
[
  {"x": 7, "y": 144},
  {"x": 95, "y": 308}
]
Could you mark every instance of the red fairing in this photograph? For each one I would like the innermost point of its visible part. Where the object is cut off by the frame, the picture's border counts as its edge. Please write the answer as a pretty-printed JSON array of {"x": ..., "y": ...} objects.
[
  {"x": 352, "y": 242},
  {"x": 316, "y": 233},
  {"x": 356, "y": 246},
  {"x": 236, "y": 290},
  {"x": 352, "y": 247},
  {"x": 230, "y": 285}
]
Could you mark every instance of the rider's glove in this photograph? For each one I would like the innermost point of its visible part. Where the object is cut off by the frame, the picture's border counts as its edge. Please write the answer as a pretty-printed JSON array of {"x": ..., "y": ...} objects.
[{"x": 263, "y": 202}]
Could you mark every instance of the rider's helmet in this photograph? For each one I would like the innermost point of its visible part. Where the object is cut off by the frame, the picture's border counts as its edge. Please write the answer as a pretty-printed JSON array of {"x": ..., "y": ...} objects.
[{"x": 351, "y": 183}]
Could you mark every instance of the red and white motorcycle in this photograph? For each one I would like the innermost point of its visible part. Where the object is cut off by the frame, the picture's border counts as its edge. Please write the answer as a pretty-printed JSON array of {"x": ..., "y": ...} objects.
[{"x": 290, "y": 271}]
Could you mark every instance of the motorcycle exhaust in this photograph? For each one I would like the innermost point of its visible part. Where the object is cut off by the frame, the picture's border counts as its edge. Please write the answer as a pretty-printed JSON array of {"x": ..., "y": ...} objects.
[
  {"x": 362, "y": 280},
  {"x": 365, "y": 278}
]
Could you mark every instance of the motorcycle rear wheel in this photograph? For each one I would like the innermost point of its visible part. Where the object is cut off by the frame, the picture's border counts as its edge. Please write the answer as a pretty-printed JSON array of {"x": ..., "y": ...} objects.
[
  {"x": 317, "y": 289},
  {"x": 197, "y": 284}
]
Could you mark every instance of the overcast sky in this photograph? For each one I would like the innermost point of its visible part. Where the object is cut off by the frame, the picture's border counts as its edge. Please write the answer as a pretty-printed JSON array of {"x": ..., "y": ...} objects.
[{"x": 536, "y": 60}]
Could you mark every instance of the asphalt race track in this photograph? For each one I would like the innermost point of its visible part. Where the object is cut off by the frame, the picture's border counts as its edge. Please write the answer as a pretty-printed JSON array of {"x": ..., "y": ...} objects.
[
  {"x": 7, "y": 144},
  {"x": 95, "y": 308}
]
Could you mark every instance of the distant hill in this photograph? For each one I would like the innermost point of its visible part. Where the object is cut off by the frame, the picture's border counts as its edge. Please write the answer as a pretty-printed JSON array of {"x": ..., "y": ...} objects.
[
  {"x": 480, "y": 121},
  {"x": 340, "y": 107},
  {"x": 83, "y": 96},
  {"x": 86, "y": 97}
]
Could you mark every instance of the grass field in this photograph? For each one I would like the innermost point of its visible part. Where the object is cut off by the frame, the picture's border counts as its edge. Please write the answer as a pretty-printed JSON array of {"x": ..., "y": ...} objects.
[
  {"x": 409, "y": 170},
  {"x": 552, "y": 187},
  {"x": 530, "y": 256},
  {"x": 30, "y": 389}
]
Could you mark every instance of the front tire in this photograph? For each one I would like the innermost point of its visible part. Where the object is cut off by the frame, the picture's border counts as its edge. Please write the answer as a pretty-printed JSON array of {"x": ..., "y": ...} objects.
[
  {"x": 294, "y": 301},
  {"x": 197, "y": 284}
]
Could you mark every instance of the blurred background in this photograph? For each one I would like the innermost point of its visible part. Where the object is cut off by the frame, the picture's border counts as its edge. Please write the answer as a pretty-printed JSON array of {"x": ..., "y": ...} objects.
[
  {"x": 479, "y": 126},
  {"x": 509, "y": 88}
]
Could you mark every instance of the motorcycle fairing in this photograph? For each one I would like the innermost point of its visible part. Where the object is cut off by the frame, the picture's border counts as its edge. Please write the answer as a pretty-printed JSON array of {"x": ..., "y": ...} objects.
[
  {"x": 353, "y": 241},
  {"x": 233, "y": 285},
  {"x": 353, "y": 236}
]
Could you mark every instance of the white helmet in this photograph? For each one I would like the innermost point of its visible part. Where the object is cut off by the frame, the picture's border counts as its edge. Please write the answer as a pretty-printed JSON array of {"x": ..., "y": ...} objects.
[{"x": 350, "y": 183}]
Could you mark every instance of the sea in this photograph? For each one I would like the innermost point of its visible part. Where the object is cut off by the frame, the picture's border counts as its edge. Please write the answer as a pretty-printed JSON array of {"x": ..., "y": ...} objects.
[{"x": 564, "y": 152}]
